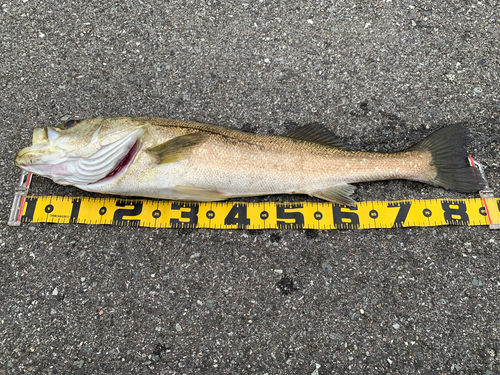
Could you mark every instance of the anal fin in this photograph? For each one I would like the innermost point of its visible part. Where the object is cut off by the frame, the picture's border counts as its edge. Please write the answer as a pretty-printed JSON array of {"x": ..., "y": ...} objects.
[
  {"x": 179, "y": 147},
  {"x": 338, "y": 194}
]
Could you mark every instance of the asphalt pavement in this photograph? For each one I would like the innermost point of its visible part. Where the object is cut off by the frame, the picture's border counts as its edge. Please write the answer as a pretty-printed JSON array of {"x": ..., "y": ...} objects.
[{"x": 78, "y": 299}]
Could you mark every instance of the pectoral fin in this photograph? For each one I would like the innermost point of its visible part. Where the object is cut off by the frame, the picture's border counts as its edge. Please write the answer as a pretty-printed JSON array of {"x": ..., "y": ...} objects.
[
  {"x": 338, "y": 194},
  {"x": 178, "y": 148}
]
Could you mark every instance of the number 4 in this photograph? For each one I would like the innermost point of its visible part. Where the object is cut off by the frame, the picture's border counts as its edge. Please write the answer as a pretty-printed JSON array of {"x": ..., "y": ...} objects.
[{"x": 237, "y": 216}]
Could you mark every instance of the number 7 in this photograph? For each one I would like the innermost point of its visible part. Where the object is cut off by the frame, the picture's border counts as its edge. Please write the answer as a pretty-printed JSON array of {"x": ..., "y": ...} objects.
[{"x": 404, "y": 208}]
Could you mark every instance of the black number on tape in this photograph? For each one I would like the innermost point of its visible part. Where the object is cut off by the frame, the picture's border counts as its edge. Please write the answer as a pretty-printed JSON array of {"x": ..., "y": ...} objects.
[
  {"x": 30, "y": 210},
  {"x": 283, "y": 214},
  {"x": 120, "y": 213},
  {"x": 192, "y": 215},
  {"x": 455, "y": 212},
  {"x": 344, "y": 217},
  {"x": 404, "y": 208},
  {"x": 75, "y": 210},
  {"x": 238, "y": 216}
]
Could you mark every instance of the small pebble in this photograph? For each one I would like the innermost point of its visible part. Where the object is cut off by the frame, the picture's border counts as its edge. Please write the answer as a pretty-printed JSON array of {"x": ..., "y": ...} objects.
[{"x": 476, "y": 281}]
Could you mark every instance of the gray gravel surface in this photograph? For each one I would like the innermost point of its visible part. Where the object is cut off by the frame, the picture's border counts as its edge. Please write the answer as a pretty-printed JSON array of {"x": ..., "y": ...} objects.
[{"x": 79, "y": 299}]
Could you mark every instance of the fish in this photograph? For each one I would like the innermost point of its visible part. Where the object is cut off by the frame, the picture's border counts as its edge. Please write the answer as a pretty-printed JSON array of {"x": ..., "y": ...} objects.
[{"x": 182, "y": 160}]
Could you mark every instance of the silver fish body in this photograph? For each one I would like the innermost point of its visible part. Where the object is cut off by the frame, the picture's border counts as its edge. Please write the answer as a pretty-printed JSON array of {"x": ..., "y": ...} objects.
[{"x": 179, "y": 160}]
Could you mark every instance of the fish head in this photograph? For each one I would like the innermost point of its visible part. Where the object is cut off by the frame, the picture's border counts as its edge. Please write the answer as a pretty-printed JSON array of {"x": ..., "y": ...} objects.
[{"x": 82, "y": 152}]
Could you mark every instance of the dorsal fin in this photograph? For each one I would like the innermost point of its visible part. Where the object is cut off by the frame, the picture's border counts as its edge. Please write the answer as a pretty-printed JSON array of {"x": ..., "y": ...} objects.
[
  {"x": 178, "y": 148},
  {"x": 315, "y": 133}
]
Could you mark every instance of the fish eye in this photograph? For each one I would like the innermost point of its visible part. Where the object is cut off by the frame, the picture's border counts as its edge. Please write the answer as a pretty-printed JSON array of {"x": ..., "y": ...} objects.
[{"x": 68, "y": 124}]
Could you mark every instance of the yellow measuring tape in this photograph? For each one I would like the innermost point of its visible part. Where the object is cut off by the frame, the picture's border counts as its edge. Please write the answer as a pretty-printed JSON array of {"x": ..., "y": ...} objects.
[{"x": 262, "y": 215}]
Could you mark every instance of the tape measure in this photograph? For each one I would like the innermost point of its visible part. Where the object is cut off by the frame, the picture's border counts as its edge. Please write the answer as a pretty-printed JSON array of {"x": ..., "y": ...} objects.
[
  {"x": 259, "y": 215},
  {"x": 267, "y": 215}
]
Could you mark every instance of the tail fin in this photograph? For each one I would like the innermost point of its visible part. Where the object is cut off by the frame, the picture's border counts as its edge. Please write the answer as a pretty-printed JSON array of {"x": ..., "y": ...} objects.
[{"x": 449, "y": 157}]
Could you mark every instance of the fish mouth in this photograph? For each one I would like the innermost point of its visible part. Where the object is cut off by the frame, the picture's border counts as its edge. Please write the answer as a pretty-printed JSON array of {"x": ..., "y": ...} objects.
[{"x": 122, "y": 165}]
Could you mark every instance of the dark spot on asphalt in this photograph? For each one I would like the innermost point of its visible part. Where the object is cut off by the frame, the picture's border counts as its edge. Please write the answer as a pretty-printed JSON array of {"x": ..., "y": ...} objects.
[
  {"x": 256, "y": 232},
  {"x": 285, "y": 285},
  {"x": 311, "y": 234},
  {"x": 275, "y": 237},
  {"x": 185, "y": 232},
  {"x": 160, "y": 350},
  {"x": 248, "y": 127}
]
